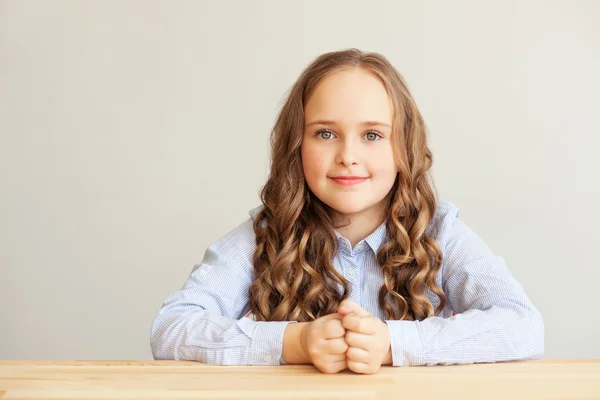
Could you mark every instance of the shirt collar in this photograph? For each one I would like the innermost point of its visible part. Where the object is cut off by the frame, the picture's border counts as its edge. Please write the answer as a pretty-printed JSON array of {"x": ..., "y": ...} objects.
[{"x": 375, "y": 240}]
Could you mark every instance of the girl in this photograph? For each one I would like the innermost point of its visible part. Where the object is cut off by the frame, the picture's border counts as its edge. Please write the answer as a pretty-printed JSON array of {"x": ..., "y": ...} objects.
[{"x": 350, "y": 262}]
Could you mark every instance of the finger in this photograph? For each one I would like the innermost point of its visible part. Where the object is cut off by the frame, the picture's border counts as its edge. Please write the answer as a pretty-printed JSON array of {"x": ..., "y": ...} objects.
[
  {"x": 351, "y": 322},
  {"x": 357, "y": 355},
  {"x": 359, "y": 340},
  {"x": 329, "y": 317},
  {"x": 361, "y": 368},
  {"x": 336, "y": 346},
  {"x": 331, "y": 358},
  {"x": 332, "y": 368},
  {"x": 350, "y": 307},
  {"x": 365, "y": 325},
  {"x": 333, "y": 329}
]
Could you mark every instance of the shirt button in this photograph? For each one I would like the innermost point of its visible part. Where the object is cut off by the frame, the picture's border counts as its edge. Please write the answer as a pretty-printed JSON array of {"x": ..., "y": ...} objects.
[
  {"x": 267, "y": 359},
  {"x": 362, "y": 246},
  {"x": 352, "y": 272}
]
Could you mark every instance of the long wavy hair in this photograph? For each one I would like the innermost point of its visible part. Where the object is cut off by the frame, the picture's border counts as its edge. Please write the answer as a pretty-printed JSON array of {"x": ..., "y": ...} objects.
[{"x": 294, "y": 278}]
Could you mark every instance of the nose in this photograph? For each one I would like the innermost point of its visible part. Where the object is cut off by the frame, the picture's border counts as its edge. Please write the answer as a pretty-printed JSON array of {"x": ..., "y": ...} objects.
[{"x": 347, "y": 153}]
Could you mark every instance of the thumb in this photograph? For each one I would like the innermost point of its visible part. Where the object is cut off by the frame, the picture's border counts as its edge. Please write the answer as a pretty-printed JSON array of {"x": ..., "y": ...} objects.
[
  {"x": 329, "y": 317},
  {"x": 350, "y": 307}
]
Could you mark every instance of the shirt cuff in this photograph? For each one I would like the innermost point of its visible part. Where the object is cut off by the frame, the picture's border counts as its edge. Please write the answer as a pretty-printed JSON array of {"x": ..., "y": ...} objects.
[
  {"x": 407, "y": 343},
  {"x": 267, "y": 343}
]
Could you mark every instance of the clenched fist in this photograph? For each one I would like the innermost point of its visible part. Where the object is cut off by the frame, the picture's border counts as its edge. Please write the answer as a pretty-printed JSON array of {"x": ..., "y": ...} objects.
[
  {"x": 323, "y": 340},
  {"x": 367, "y": 337}
]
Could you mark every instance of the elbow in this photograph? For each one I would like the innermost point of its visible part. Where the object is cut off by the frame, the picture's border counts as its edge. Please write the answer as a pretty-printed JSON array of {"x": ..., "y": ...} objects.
[
  {"x": 538, "y": 347},
  {"x": 531, "y": 343},
  {"x": 161, "y": 343}
]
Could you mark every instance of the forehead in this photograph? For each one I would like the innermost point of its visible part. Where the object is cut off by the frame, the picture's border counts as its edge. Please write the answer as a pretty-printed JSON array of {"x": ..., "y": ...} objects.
[{"x": 351, "y": 96}]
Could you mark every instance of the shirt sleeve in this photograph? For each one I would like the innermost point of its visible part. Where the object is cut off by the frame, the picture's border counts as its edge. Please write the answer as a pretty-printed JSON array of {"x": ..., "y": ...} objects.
[
  {"x": 494, "y": 321},
  {"x": 205, "y": 321}
]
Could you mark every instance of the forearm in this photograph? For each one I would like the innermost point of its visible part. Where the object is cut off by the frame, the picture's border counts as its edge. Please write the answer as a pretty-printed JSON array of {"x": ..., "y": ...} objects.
[
  {"x": 471, "y": 337},
  {"x": 293, "y": 351},
  {"x": 214, "y": 339}
]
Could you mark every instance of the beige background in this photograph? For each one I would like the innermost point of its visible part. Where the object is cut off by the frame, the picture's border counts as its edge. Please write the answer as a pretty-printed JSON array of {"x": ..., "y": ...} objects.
[{"x": 135, "y": 133}]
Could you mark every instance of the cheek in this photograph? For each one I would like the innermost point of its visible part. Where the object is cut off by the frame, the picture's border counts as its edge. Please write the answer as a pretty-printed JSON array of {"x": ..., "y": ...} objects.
[
  {"x": 313, "y": 162},
  {"x": 383, "y": 163}
]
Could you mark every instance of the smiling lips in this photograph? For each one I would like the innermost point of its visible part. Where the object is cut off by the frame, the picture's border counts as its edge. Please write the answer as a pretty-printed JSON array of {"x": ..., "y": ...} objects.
[{"x": 348, "y": 180}]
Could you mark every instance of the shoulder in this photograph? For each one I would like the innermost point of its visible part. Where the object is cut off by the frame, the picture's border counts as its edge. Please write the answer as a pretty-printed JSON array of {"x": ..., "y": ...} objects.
[
  {"x": 443, "y": 220},
  {"x": 254, "y": 211},
  {"x": 456, "y": 239},
  {"x": 232, "y": 252},
  {"x": 239, "y": 242}
]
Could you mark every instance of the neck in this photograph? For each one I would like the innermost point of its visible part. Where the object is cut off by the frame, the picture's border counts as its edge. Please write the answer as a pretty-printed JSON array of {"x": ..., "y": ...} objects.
[{"x": 356, "y": 227}]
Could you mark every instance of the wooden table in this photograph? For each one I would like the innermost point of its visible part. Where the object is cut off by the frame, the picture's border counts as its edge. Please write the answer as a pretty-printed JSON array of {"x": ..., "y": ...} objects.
[{"x": 543, "y": 379}]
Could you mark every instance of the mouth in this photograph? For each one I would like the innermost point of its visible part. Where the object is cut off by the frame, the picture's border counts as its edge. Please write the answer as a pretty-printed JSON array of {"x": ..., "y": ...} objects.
[{"x": 348, "y": 180}]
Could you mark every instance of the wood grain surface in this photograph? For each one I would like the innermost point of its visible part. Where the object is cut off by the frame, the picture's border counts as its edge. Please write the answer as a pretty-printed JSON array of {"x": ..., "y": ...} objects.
[{"x": 541, "y": 379}]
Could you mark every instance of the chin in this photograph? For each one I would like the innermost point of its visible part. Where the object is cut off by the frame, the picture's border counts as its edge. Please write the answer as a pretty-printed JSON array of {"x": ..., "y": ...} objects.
[{"x": 347, "y": 209}]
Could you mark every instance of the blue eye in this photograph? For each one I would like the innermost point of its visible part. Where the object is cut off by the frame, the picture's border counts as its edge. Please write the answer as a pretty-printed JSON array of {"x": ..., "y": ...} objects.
[
  {"x": 325, "y": 134},
  {"x": 372, "y": 136}
]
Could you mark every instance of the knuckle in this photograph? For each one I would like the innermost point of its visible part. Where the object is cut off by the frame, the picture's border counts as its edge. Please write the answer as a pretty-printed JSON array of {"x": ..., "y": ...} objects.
[
  {"x": 344, "y": 346},
  {"x": 313, "y": 351},
  {"x": 328, "y": 368},
  {"x": 339, "y": 346},
  {"x": 350, "y": 337},
  {"x": 350, "y": 352}
]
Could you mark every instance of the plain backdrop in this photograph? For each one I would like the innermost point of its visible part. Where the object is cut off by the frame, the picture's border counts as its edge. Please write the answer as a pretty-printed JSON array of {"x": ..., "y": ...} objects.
[{"x": 135, "y": 133}]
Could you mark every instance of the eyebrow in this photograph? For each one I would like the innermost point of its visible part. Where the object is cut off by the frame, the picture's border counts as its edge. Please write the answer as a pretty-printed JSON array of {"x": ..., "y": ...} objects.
[{"x": 364, "y": 123}]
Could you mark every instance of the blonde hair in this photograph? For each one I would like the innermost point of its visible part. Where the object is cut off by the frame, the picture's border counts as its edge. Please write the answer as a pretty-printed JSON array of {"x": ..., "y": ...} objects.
[{"x": 294, "y": 278}]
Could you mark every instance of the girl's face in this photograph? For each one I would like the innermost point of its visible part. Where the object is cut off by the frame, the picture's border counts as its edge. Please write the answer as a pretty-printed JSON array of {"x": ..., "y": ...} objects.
[{"x": 347, "y": 130}]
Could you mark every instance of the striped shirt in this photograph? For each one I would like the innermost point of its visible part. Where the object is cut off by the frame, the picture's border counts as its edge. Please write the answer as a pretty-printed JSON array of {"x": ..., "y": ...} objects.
[{"x": 207, "y": 320}]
